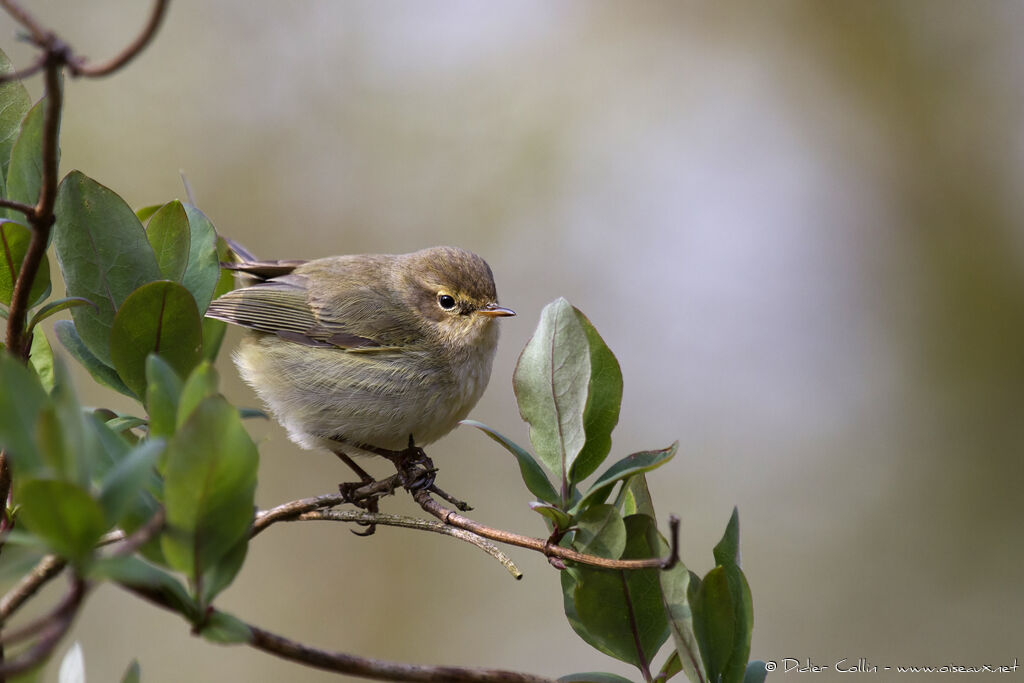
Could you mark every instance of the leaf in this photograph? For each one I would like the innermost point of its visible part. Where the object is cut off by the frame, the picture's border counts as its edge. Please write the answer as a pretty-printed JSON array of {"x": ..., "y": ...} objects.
[
  {"x": 72, "y": 665},
  {"x": 209, "y": 484},
  {"x": 644, "y": 461},
  {"x": 21, "y": 401},
  {"x": 214, "y": 330},
  {"x": 103, "y": 254},
  {"x": 132, "y": 674},
  {"x": 756, "y": 672},
  {"x": 557, "y": 516},
  {"x": 62, "y": 514},
  {"x": 102, "y": 373},
  {"x": 593, "y": 677},
  {"x": 127, "y": 479},
  {"x": 600, "y": 531},
  {"x": 723, "y": 618},
  {"x": 203, "y": 268},
  {"x": 146, "y": 212},
  {"x": 168, "y": 234},
  {"x": 14, "y": 104},
  {"x": 727, "y": 552},
  {"x": 24, "y": 175},
  {"x": 636, "y": 498},
  {"x": 161, "y": 318},
  {"x": 41, "y": 359},
  {"x": 675, "y": 585},
  {"x": 163, "y": 389},
  {"x": 56, "y": 306},
  {"x": 616, "y": 610},
  {"x": 224, "y": 628},
  {"x": 223, "y": 572},
  {"x": 14, "y": 239},
  {"x": 124, "y": 423},
  {"x": 671, "y": 667},
  {"x": 562, "y": 370},
  {"x": 201, "y": 384},
  {"x": 533, "y": 474},
  {"x": 130, "y": 570},
  {"x": 603, "y": 401}
]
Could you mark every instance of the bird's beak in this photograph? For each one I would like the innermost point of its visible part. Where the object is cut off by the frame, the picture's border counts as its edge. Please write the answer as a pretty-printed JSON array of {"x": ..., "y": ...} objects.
[{"x": 495, "y": 311}]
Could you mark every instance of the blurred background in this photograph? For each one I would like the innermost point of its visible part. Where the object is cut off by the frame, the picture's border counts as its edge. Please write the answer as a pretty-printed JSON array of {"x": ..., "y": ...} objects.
[{"x": 798, "y": 224}]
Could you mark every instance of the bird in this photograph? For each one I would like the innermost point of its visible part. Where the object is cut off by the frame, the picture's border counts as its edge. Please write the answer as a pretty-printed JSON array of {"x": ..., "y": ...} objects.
[{"x": 366, "y": 354}]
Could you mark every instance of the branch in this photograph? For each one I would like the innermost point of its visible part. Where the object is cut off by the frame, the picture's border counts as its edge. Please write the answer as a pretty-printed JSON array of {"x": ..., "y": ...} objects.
[
  {"x": 130, "y": 52},
  {"x": 52, "y": 628},
  {"x": 380, "y": 670},
  {"x": 46, "y": 569},
  {"x": 449, "y": 516},
  {"x": 406, "y": 522}
]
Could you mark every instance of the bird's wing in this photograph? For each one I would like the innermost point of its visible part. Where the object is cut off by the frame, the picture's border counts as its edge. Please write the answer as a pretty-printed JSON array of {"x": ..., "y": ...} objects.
[{"x": 282, "y": 306}]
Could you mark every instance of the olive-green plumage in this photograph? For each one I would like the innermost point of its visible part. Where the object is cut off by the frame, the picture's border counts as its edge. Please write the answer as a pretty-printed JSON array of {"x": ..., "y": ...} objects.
[{"x": 367, "y": 349}]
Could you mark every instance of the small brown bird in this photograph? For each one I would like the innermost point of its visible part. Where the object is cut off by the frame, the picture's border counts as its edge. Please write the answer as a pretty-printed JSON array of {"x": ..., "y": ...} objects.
[{"x": 367, "y": 353}]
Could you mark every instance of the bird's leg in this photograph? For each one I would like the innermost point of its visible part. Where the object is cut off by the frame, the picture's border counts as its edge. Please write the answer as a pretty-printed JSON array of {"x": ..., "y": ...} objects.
[{"x": 346, "y": 489}]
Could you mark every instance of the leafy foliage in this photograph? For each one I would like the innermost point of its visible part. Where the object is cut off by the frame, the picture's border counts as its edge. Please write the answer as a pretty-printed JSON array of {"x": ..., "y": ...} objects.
[{"x": 569, "y": 389}]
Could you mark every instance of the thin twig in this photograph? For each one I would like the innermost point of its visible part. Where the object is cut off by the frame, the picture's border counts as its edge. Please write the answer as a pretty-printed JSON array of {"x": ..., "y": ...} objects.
[
  {"x": 140, "y": 536},
  {"x": 376, "y": 669},
  {"x": 130, "y": 52},
  {"x": 27, "y": 72},
  {"x": 54, "y": 628},
  {"x": 42, "y": 215},
  {"x": 46, "y": 569},
  {"x": 39, "y": 34},
  {"x": 449, "y": 516},
  {"x": 17, "y": 206},
  {"x": 384, "y": 519}
]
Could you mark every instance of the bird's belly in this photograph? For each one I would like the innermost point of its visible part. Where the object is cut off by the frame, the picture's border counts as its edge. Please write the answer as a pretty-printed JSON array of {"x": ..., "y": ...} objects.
[{"x": 377, "y": 399}]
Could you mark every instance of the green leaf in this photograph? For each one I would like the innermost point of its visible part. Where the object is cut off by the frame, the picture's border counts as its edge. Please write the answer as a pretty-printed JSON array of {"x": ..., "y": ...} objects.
[
  {"x": 203, "y": 268},
  {"x": 163, "y": 389},
  {"x": 727, "y": 552},
  {"x": 671, "y": 667},
  {"x": 168, "y": 234},
  {"x": 103, "y": 253},
  {"x": 223, "y": 572},
  {"x": 132, "y": 674},
  {"x": 14, "y": 104},
  {"x": 41, "y": 359},
  {"x": 603, "y": 400},
  {"x": 636, "y": 498},
  {"x": 209, "y": 484},
  {"x": 251, "y": 413},
  {"x": 675, "y": 585},
  {"x": 127, "y": 479},
  {"x": 214, "y": 330},
  {"x": 125, "y": 422},
  {"x": 102, "y": 373},
  {"x": 533, "y": 474},
  {"x": 557, "y": 516},
  {"x": 14, "y": 239},
  {"x": 616, "y": 610},
  {"x": 21, "y": 401},
  {"x": 723, "y": 617},
  {"x": 593, "y": 677},
  {"x": 24, "y": 175},
  {"x": 62, "y": 514},
  {"x": 130, "y": 570},
  {"x": 146, "y": 212},
  {"x": 161, "y": 318},
  {"x": 644, "y": 461},
  {"x": 56, "y": 306},
  {"x": 563, "y": 369},
  {"x": 756, "y": 672},
  {"x": 221, "y": 627},
  {"x": 201, "y": 384},
  {"x": 600, "y": 531}
]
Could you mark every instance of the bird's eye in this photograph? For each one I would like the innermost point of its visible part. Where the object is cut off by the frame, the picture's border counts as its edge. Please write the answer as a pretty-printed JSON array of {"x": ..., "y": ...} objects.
[{"x": 446, "y": 301}]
